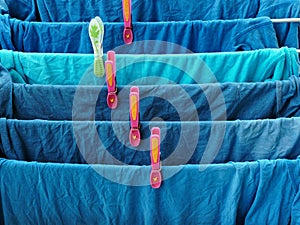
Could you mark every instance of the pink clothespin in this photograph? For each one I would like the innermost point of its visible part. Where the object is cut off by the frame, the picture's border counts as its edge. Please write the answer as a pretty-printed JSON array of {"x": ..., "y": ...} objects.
[
  {"x": 155, "y": 176},
  {"x": 110, "y": 69},
  {"x": 127, "y": 34},
  {"x": 134, "y": 98}
]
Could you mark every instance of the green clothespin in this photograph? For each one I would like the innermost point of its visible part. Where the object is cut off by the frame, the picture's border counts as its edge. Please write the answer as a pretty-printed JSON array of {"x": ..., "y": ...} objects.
[{"x": 96, "y": 33}]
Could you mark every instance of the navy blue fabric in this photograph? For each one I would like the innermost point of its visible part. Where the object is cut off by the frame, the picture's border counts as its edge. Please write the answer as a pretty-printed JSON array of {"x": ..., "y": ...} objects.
[
  {"x": 227, "y": 101},
  {"x": 181, "y": 143},
  {"x": 22, "y": 9},
  {"x": 196, "y": 36},
  {"x": 235, "y": 193}
]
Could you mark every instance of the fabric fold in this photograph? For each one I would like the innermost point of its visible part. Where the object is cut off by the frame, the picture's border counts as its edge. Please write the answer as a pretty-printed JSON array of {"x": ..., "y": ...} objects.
[
  {"x": 288, "y": 34},
  {"x": 149, "y": 37},
  {"x": 6, "y": 94},
  {"x": 73, "y": 69},
  {"x": 155, "y": 11},
  {"x": 149, "y": 10},
  {"x": 182, "y": 142},
  {"x": 204, "y": 102},
  {"x": 32, "y": 192}
]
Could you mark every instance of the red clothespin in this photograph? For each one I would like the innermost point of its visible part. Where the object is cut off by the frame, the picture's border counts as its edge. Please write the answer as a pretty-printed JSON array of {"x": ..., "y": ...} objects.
[
  {"x": 155, "y": 176},
  {"x": 110, "y": 69},
  {"x": 127, "y": 34},
  {"x": 134, "y": 98}
]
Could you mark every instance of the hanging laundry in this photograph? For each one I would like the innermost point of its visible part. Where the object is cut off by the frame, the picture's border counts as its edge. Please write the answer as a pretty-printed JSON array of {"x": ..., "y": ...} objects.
[
  {"x": 182, "y": 142},
  {"x": 148, "y": 10},
  {"x": 228, "y": 101},
  {"x": 219, "y": 129},
  {"x": 79, "y": 193},
  {"x": 187, "y": 36},
  {"x": 288, "y": 34},
  {"x": 73, "y": 69}
]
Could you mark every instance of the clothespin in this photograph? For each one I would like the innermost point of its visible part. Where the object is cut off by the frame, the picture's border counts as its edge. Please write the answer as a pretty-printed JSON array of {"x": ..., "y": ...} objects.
[
  {"x": 110, "y": 68},
  {"x": 127, "y": 34},
  {"x": 155, "y": 175},
  {"x": 96, "y": 33},
  {"x": 134, "y": 98}
]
